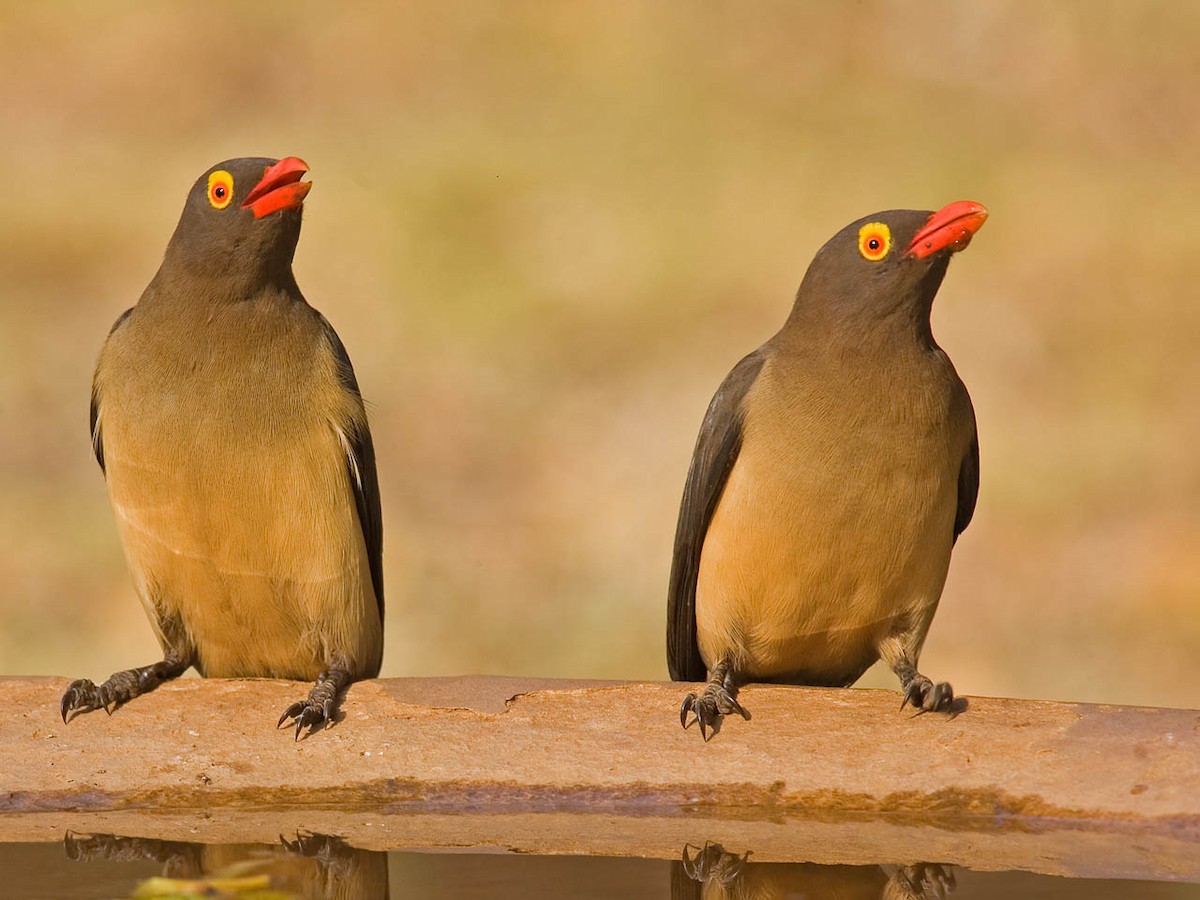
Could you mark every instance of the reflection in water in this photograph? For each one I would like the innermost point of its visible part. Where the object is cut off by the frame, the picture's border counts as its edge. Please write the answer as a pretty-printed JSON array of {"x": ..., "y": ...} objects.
[
  {"x": 311, "y": 867},
  {"x": 116, "y": 867},
  {"x": 710, "y": 873}
]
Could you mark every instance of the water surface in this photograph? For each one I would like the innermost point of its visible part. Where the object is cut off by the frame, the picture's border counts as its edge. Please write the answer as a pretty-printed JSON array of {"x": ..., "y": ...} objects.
[{"x": 313, "y": 868}]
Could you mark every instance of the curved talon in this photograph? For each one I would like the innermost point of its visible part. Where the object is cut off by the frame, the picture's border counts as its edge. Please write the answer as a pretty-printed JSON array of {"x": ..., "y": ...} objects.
[
  {"x": 927, "y": 696},
  {"x": 294, "y": 710},
  {"x": 684, "y": 708},
  {"x": 709, "y": 708},
  {"x": 312, "y": 716},
  {"x": 940, "y": 698},
  {"x": 727, "y": 704},
  {"x": 81, "y": 696}
]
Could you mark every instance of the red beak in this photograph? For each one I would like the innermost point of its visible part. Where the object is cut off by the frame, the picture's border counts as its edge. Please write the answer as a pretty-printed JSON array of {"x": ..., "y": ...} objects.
[
  {"x": 280, "y": 188},
  {"x": 951, "y": 226}
]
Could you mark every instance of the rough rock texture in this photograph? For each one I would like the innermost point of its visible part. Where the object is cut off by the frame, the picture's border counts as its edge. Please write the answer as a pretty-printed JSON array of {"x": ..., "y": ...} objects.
[{"x": 834, "y": 776}]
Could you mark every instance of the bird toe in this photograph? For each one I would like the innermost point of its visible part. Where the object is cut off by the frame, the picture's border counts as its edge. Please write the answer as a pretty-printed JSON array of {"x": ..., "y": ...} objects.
[
  {"x": 939, "y": 698},
  {"x": 311, "y": 716},
  {"x": 686, "y": 707},
  {"x": 926, "y": 696},
  {"x": 728, "y": 704},
  {"x": 291, "y": 712},
  {"x": 81, "y": 696}
]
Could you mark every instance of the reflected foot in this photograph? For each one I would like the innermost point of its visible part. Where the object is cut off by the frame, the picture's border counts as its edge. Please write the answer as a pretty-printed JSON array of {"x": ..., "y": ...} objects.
[
  {"x": 321, "y": 707},
  {"x": 175, "y": 855},
  {"x": 712, "y": 864},
  {"x": 331, "y": 853},
  {"x": 922, "y": 881}
]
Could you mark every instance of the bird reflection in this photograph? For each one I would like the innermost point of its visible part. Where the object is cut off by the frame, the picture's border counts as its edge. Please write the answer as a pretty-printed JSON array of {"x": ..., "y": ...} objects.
[
  {"x": 311, "y": 867},
  {"x": 711, "y": 873}
]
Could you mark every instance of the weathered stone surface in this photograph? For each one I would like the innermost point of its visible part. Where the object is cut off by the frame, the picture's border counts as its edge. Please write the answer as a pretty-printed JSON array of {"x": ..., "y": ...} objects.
[{"x": 571, "y": 767}]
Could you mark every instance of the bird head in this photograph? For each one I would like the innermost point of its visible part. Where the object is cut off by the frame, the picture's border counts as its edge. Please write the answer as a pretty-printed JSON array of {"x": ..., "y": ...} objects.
[
  {"x": 889, "y": 262},
  {"x": 242, "y": 219}
]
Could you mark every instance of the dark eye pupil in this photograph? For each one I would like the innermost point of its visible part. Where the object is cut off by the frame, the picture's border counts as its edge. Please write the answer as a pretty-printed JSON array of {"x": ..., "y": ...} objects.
[
  {"x": 219, "y": 193},
  {"x": 873, "y": 243}
]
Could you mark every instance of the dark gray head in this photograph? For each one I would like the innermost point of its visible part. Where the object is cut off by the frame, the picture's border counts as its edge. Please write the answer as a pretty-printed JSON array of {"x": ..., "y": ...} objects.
[
  {"x": 887, "y": 264},
  {"x": 241, "y": 222}
]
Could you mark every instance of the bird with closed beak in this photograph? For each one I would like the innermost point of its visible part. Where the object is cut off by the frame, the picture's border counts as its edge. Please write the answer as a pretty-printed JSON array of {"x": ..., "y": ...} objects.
[
  {"x": 233, "y": 439},
  {"x": 835, "y": 469}
]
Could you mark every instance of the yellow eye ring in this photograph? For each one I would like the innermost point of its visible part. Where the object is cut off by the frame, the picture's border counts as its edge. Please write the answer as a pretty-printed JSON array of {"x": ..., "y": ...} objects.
[
  {"x": 220, "y": 189},
  {"x": 874, "y": 241}
]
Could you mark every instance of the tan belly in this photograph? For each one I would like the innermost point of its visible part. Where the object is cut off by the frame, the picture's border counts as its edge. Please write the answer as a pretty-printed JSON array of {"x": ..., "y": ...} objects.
[
  {"x": 817, "y": 552},
  {"x": 257, "y": 551}
]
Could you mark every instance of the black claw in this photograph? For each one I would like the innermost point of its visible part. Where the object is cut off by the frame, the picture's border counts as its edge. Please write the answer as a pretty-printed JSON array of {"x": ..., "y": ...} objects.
[
  {"x": 81, "y": 696},
  {"x": 927, "y": 696},
  {"x": 940, "y": 697},
  {"x": 731, "y": 705},
  {"x": 684, "y": 708},
  {"x": 689, "y": 866},
  {"x": 306, "y": 716},
  {"x": 292, "y": 711},
  {"x": 709, "y": 708}
]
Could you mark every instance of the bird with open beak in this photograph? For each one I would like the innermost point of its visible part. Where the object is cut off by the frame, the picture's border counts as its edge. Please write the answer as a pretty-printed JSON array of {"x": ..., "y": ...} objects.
[
  {"x": 835, "y": 469},
  {"x": 228, "y": 423}
]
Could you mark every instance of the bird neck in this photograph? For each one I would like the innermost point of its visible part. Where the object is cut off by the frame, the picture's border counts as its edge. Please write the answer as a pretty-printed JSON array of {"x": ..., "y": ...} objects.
[
  {"x": 842, "y": 323},
  {"x": 233, "y": 276}
]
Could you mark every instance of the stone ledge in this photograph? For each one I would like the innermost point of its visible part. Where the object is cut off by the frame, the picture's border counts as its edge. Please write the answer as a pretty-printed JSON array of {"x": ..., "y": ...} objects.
[{"x": 603, "y": 767}]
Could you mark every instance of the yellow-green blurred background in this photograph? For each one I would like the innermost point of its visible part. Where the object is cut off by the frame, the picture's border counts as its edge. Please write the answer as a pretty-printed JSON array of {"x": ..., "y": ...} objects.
[{"x": 545, "y": 231}]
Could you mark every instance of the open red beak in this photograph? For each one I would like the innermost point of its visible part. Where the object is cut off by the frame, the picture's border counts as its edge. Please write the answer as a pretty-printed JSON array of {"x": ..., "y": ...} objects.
[
  {"x": 280, "y": 188},
  {"x": 951, "y": 226}
]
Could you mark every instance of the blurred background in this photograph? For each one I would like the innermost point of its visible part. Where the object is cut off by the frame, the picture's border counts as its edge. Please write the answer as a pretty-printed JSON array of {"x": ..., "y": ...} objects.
[{"x": 545, "y": 232}]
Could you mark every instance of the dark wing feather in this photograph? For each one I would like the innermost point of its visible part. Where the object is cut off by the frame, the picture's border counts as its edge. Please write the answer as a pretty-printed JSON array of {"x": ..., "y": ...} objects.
[
  {"x": 94, "y": 425},
  {"x": 968, "y": 487},
  {"x": 716, "y": 451},
  {"x": 361, "y": 466}
]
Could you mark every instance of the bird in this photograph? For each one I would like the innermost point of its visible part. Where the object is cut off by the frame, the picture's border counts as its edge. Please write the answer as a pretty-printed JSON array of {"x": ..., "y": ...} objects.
[
  {"x": 835, "y": 468},
  {"x": 233, "y": 438}
]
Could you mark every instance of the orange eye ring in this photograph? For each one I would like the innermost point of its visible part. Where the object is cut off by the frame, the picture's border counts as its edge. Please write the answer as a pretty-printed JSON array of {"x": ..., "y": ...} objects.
[
  {"x": 220, "y": 189},
  {"x": 874, "y": 241}
]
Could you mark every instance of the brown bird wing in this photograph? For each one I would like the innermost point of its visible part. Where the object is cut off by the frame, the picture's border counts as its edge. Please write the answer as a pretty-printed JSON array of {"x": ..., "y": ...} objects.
[
  {"x": 361, "y": 465},
  {"x": 968, "y": 487},
  {"x": 716, "y": 451},
  {"x": 94, "y": 423}
]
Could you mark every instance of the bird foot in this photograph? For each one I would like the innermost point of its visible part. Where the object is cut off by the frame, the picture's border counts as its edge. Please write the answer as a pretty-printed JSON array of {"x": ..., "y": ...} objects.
[
  {"x": 927, "y": 696},
  {"x": 320, "y": 709},
  {"x": 82, "y": 695},
  {"x": 716, "y": 702},
  {"x": 308, "y": 714},
  {"x": 712, "y": 864},
  {"x": 922, "y": 881},
  {"x": 332, "y": 853}
]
